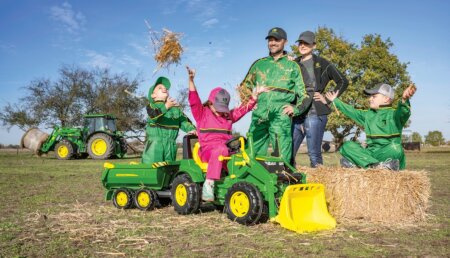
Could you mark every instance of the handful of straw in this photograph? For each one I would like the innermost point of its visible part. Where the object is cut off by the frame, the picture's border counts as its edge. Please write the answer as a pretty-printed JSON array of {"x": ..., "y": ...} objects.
[{"x": 167, "y": 47}]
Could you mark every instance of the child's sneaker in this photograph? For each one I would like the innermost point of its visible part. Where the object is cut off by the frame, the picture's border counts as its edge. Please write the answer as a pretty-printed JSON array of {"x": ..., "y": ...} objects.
[{"x": 208, "y": 190}]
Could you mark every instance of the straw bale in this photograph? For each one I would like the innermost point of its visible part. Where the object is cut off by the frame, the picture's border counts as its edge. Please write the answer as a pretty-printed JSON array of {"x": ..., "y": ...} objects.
[
  {"x": 33, "y": 140},
  {"x": 374, "y": 195}
]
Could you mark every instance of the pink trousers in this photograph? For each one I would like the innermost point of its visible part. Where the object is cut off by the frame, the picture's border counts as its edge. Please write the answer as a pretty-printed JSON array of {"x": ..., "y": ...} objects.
[{"x": 210, "y": 154}]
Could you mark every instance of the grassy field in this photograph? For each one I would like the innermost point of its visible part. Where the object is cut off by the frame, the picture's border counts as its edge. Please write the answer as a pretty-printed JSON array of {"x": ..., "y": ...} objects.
[{"x": 52, "y": 208}]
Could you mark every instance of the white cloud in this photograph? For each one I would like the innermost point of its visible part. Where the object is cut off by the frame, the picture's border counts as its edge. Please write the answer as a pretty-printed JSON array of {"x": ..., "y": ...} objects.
[
  {"x": 142, "y": 50},
  {"x": 71, "y": 21},
  {"x": 109, "y": 60},
  {"x": 210, "y": 23},
  {"x": 98, "y": 60}
]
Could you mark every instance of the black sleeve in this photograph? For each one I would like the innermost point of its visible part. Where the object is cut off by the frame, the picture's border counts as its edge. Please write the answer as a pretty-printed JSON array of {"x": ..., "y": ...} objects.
[{"x": 340, "y": 80}]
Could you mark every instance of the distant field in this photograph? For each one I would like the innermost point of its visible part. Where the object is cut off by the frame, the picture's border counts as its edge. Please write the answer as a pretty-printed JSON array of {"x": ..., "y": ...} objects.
[{"x": 53, "y": 208}]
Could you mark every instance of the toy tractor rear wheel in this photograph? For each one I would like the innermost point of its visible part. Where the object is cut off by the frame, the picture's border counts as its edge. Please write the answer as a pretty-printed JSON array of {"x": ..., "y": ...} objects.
[
  {"x": 244, "y": 204},
  {"x": 123, "y": 198},
  {"x": 100, "y": 146},
  {"x": 145, "y": 199},
  {"x": 185, "y": 195},
  {"x": 64, "y": 150}
]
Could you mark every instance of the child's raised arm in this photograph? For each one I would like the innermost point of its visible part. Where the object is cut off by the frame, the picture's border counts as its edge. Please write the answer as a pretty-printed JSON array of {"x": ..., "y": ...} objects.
[{"x": 194, "y": 100}]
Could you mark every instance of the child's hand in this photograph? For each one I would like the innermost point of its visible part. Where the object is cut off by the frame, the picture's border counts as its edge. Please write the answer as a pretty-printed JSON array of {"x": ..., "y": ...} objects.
[
  {"x": 193, "y": 132},
  {"x": 409, "y": 92},
  {"x": 191, "y": 73},
  {"x": 331, "y": 95},
  {"x": 170, "y": 102},
  {"x": 259, "y": 90},
  {"x": 288, "y": 110}
]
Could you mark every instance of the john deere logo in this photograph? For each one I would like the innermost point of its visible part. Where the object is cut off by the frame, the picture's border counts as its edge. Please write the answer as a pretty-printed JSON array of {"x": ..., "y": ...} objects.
[{"x": 274, "y": 30}]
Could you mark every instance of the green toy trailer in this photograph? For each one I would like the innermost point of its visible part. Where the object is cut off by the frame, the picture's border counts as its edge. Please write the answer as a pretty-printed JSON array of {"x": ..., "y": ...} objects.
[
  {"x": 98, "y": 138},
  {"x": 255, "y": 188}
]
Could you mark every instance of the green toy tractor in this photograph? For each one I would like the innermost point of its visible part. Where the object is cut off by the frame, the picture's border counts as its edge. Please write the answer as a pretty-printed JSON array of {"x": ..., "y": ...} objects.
[
  {"x": 253, "y": 190},
  {"x": 97, "y": 138}
]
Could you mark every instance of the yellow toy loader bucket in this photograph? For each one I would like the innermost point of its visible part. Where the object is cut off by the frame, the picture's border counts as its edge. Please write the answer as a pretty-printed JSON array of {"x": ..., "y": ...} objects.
[{"x": 303, "y": 209}]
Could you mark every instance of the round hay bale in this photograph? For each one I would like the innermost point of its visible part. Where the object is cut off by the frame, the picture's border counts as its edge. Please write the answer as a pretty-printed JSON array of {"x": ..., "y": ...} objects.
[
  {"x": 33, "y": 140},
  {"x": 374, "y": 195}
]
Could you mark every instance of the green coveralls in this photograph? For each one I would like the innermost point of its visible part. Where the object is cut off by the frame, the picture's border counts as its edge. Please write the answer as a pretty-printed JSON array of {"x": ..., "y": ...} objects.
[
  {"x": 383, "y": 128},
  {"x": 284, "y": 80},
  {"x": 162, "y": 128}
]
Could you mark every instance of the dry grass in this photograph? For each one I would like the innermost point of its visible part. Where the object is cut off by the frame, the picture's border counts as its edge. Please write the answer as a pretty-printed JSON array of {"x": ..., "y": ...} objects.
[
  {"x": 167, "y": 47},
  {"x": 378, "y": 196}
]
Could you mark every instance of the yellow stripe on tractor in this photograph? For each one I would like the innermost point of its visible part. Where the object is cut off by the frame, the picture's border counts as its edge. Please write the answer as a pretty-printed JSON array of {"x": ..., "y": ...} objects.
[{"x": 303, "y": 209}]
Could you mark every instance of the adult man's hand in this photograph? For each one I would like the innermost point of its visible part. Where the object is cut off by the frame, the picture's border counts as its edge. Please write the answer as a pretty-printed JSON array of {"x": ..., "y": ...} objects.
[
  {"x": 331, "y": 95},
  {"x": 288, "y": 110}
]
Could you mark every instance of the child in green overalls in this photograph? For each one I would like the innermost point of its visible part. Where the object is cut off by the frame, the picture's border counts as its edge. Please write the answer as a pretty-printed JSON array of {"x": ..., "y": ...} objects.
[
  {"x": 383, "y": 126},
  {"x": 165, "y": 118}
]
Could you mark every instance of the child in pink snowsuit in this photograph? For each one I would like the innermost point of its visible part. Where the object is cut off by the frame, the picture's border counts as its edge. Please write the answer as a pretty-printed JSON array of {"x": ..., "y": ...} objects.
[{"x": 214, "y": 121}]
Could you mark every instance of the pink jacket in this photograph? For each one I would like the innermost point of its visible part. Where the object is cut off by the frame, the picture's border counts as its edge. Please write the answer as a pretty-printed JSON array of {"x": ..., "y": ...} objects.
[{"x": 212, "y": 129}]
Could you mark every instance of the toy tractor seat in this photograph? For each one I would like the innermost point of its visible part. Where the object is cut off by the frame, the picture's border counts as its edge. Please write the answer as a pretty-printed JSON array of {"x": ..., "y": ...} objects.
[{"x": 191, "y": 148}]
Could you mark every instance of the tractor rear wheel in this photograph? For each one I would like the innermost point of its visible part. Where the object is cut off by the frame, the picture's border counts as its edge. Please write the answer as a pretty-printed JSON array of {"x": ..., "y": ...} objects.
[
  {"x": 145, "y": 199},
  {"x": 64, "y": 150},
  {"x": 185, "y": 195},
  {"x": 123, "y": 198},
  {"x": 244, "y": 204},
  {"x": 100, "y": 146}
]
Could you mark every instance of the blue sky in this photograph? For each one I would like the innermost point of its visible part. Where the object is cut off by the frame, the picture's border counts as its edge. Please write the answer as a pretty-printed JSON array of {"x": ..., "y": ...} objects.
[{"x": 221, "y": 40}]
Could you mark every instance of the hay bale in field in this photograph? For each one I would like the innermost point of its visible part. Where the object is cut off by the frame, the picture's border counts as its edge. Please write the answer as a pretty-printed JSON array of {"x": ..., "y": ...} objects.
[
  {"x": 374, "y": 195},
  {"x": 33, "y": 140}
]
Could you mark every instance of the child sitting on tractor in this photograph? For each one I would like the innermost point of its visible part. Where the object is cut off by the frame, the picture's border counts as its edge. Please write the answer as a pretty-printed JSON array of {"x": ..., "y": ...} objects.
[
  {"x": 165, "y": 118},
  {"x": 214, "y": 121},
  {"x": 383, "y": 127}
]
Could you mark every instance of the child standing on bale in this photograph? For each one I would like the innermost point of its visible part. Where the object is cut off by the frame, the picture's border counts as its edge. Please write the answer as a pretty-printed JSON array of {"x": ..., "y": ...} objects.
[
  {"x": 165, "y": 118},
  {"x": 214, "y": 121},
  {"x": 383, "y": 127}
]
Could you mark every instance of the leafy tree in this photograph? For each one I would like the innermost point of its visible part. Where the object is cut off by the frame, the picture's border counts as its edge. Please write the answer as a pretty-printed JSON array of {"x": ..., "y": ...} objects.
[
  {"x": 416, "y": 137},
  {"x": 76, "y": 92},
  {"x": 365, "y": 65},
  {"x": 435, "y": 138}
]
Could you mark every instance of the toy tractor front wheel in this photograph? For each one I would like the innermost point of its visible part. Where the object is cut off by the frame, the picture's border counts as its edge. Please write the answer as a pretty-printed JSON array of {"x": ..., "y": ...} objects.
[
  {"x": 64, "y": 150},
  {"x": 145, "y": 199},
  {"x": 123, "y": 198},
  {"x": 100, "y": 146},
  {"x": 244, "y": 204},
  {"x": 185, "y": 195}
]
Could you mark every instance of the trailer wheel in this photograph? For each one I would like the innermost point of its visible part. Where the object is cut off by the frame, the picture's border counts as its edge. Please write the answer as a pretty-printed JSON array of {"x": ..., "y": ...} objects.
[
  {"x": 100, "y": 146},
  {"x": 244, "y": 204},
  {"x": 123, "y": 198},
  {"x": 64, "y": 150},
  {"x": 145, "y": 199},
  {"x": 185, "y": 195}
]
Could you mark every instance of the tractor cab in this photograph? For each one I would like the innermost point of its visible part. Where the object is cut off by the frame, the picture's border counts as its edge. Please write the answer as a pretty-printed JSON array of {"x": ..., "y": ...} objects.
[{"x": 99, "y": 123}]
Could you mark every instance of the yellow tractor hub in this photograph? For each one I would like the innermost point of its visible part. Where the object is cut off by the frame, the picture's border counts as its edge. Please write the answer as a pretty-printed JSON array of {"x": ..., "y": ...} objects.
[
  {"x": 239, "y": 204},
  {"x": 122, "y": 199},
  {"x": 143, "y": 199},
  {"x": 99, "y": 147},
  {"x": 181, "y": 195},
  {"x": 63, "y": 151}
]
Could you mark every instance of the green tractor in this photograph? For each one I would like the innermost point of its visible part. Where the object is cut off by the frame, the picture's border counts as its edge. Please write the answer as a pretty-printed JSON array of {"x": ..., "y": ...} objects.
[
  {"x": 253, "y": 190},
  {"x": 97, "y": 138}
]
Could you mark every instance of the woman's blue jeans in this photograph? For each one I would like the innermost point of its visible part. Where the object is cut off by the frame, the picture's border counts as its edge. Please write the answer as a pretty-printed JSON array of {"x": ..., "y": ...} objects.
[{"x": 313, "y": 128}]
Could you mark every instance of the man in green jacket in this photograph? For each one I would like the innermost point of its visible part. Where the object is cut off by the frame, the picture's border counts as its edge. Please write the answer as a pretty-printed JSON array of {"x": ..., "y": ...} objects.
[
  {"x": 165, "y": 118},
  {"x": 272, "y": 118},
  {"x": 383, "y": 126}
]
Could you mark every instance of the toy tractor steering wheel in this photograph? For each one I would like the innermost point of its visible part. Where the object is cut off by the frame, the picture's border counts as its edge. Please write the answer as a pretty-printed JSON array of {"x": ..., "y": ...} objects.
[{"x": 234, "y": 144}]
